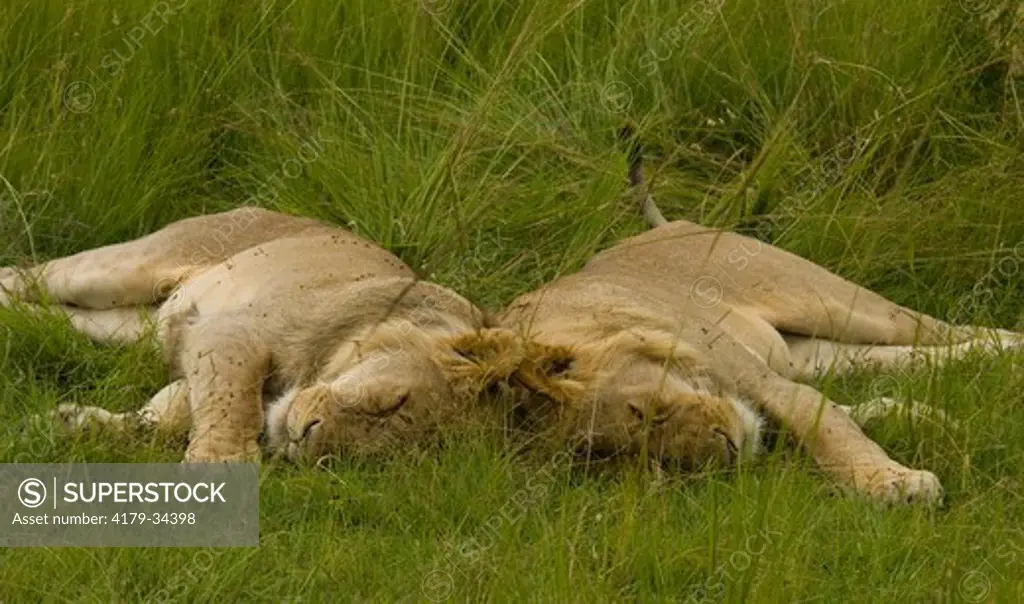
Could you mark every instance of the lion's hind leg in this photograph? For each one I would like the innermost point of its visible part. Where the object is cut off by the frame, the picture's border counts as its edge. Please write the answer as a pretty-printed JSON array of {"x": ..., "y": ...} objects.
[
  {"x": 140, "y": 272},
  {"x": 854, "y": 315},
  {"x": 812, "y": 357},
  {"x": 146, "y": 270},
  {"x": 802, "y": 298}
]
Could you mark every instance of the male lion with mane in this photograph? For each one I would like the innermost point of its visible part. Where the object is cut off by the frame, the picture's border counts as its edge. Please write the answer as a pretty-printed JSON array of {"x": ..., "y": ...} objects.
[
  {"x": 289, "y": 328},
  {"x": 675, "y": 343}
]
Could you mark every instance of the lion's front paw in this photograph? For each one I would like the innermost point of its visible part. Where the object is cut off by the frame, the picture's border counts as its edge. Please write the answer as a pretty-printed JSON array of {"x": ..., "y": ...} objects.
[
  {"x": 898, "y": 484},
  {"x": 249, "y": 452},
  {"x": 79, "y": 417}
]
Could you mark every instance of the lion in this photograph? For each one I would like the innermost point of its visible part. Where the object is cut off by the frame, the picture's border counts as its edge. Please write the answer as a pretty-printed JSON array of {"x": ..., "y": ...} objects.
[
  {"x": 275, "y": 327},
  {"x": 678, "y": 343}
]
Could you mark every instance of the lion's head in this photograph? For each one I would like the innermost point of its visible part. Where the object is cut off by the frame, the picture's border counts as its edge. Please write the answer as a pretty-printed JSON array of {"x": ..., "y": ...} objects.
[
  {"x": 396, "y": 391},
  {"x": 637, "y": 392}
]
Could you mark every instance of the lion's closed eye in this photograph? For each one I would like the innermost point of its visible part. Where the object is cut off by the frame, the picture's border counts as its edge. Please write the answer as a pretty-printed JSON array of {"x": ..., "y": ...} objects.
[
  {"x": 659, "y": 416},
  {"x": 392, "y": 408},
  {"x": 730, "y": 445}
]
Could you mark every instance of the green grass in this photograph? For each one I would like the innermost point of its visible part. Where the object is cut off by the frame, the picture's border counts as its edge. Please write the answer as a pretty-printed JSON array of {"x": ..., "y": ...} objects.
[{"x": 877, "y": 138}]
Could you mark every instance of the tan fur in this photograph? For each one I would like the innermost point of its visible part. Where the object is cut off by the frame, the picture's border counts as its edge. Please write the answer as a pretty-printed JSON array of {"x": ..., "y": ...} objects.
[
  {"x": 319, "y": 339},
  {"x": 657, "y": 344}
]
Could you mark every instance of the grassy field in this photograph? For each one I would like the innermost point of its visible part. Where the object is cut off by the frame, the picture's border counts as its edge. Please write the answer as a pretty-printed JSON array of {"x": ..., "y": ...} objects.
[{"x": 476, "y": 139}]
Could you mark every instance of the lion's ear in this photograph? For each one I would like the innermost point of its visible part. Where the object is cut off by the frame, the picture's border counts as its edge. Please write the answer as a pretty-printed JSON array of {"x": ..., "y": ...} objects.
[
  {"x": 474, "y": 361},
  {"x": 552, "y": 371},
  {"x": 557, "y": 371},
  {"x": 661, "y": 347}
]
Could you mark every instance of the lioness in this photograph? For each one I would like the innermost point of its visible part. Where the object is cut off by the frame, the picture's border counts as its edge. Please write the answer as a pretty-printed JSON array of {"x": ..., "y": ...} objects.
[
  {"x": 673, "y": 344},
  {"x": 349, "y": 349}
]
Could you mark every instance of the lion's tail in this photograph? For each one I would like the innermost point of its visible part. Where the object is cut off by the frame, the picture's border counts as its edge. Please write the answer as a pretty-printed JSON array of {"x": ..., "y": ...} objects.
[{"x": 649, "y": 209}]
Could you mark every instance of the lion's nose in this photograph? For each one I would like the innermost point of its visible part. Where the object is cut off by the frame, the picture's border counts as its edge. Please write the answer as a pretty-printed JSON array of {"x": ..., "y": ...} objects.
[{"x": 310, "y": 429}]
